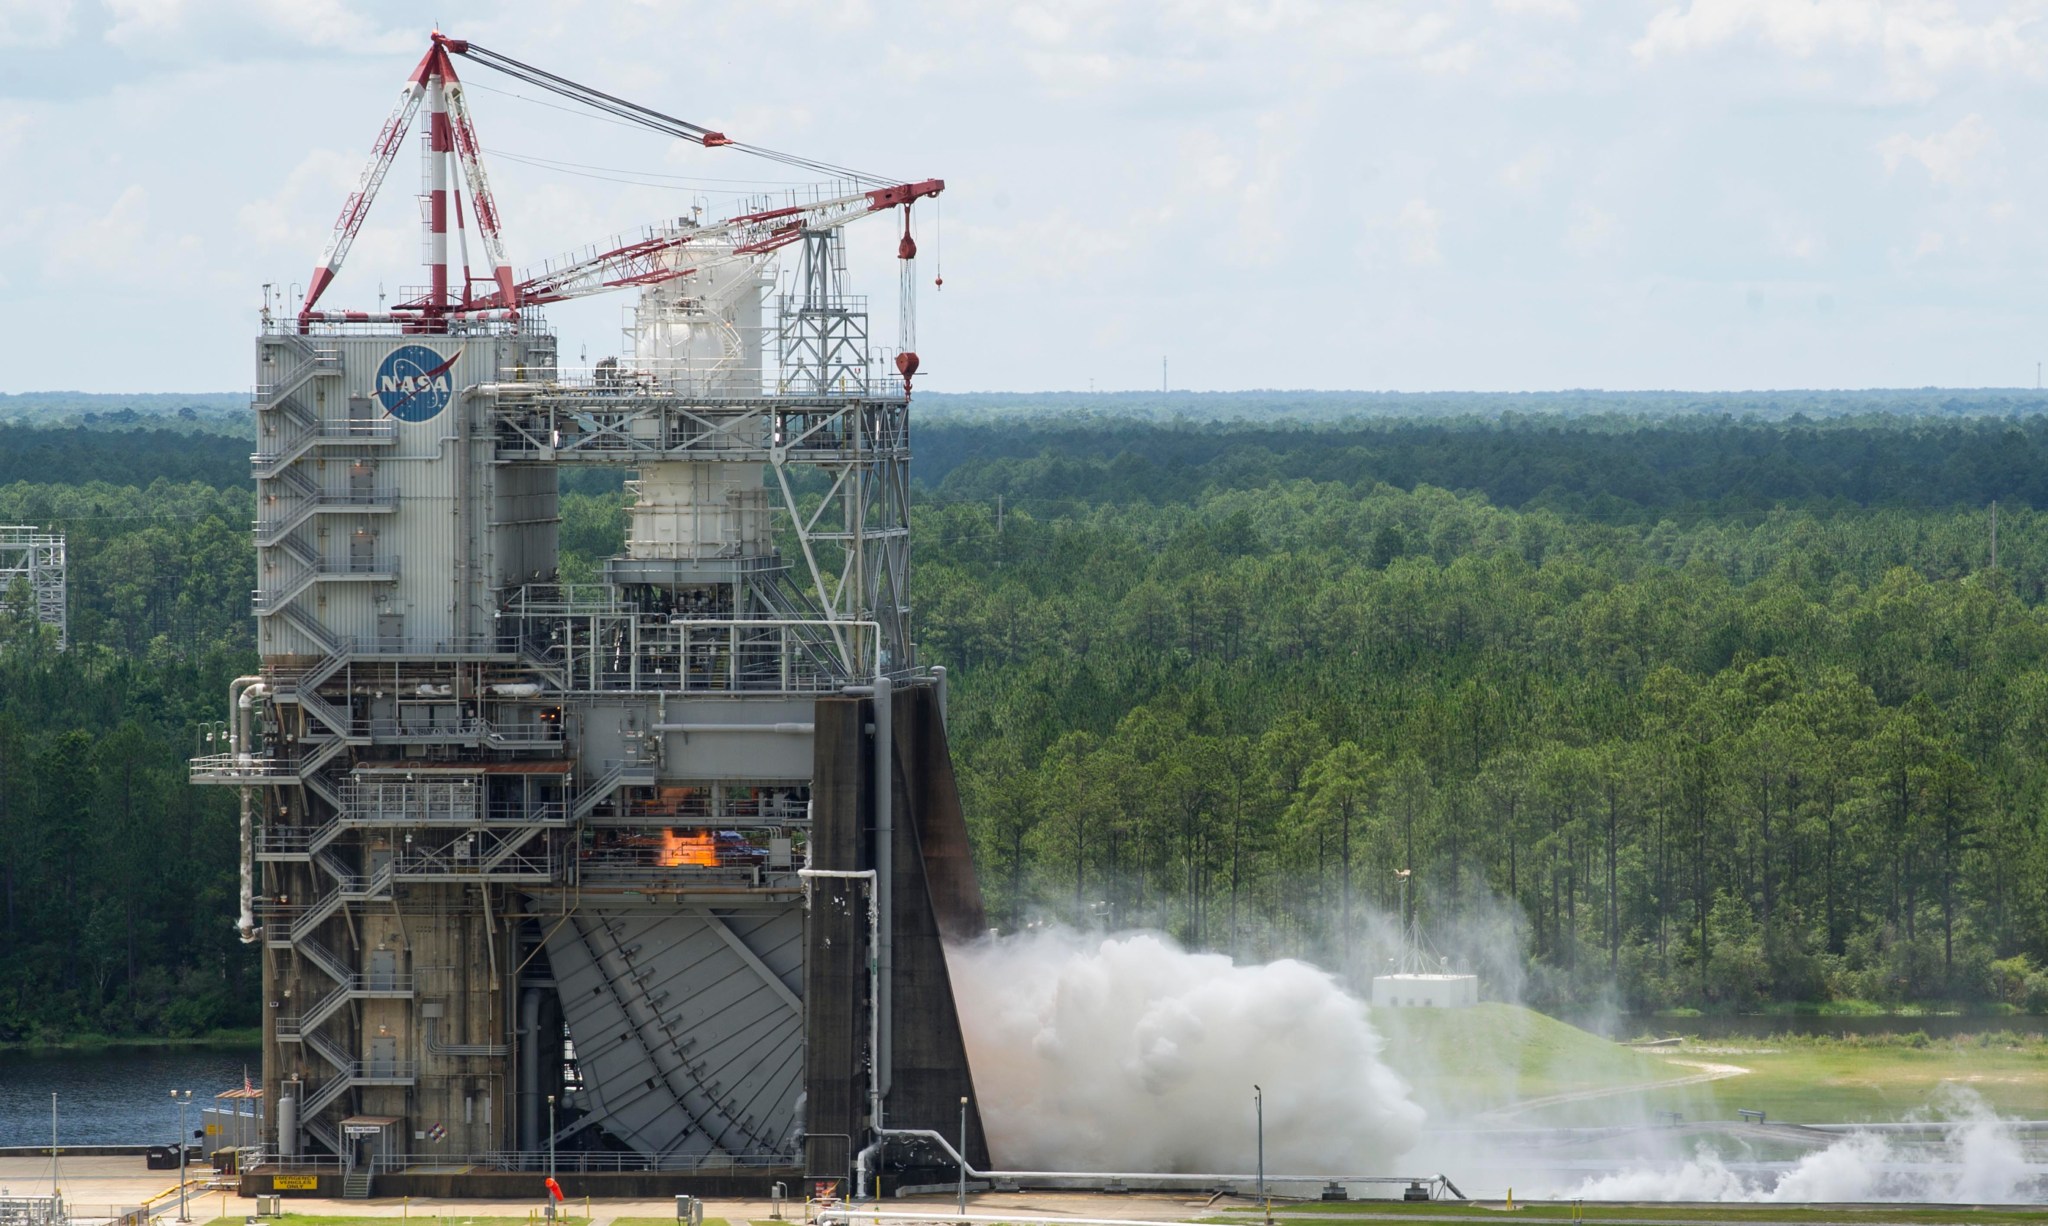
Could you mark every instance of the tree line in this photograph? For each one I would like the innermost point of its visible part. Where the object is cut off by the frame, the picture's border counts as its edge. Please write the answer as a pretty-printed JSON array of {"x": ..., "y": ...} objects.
[
  {"x": 1684, "y": 738},
  {"x": 1710, "y": 762}
]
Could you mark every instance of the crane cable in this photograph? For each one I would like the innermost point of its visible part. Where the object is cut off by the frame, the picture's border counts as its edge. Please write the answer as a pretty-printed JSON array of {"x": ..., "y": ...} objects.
[{"x": 646, "y": 117}]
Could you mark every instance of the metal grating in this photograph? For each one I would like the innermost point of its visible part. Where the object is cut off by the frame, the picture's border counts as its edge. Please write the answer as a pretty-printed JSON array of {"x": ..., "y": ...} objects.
[{"x": 688, "y": 1025}]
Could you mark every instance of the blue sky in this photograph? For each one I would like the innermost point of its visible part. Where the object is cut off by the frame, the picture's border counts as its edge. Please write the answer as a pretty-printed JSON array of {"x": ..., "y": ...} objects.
[{"x": 1470, "y": 194}]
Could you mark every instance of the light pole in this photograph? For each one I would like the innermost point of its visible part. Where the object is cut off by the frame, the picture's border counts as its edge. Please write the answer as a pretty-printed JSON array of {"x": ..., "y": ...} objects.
[
  {"x": 1259, "y": 1106},
  {"x": 551, "y": 1155},
  {"x": 963, "y": 1155},
  {"x": 183, "y": 1098}
]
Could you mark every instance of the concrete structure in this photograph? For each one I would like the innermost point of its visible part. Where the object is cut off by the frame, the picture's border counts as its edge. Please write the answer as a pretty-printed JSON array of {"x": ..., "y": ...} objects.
[
  {"x": 535, "y": 855},
  {"x": 1426, "y": 991},
  {"x": 33, "y": 569}
]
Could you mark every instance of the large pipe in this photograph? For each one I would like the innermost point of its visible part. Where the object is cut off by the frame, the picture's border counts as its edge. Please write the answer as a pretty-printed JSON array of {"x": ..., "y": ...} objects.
[
  {"x": 529, "y": 1069},
  {"x": 938, "y": 1139},
  {"x": 885, "y": 869},
  {"x": 245, "y": 923},
  {"x": 786, "y": 729},
  {"x": 239, "y": 702}
]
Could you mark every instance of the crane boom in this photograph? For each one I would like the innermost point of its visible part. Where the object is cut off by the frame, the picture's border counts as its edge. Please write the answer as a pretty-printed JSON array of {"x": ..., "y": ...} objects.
[
  {"x": 646, "y": 260},
  {"x": 357, "y": 206}
]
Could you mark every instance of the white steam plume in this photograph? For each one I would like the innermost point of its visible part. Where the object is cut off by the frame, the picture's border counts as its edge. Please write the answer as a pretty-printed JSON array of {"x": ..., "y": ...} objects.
[
  {"x": 1128, "y": 1053},
  {"x": 1978, "y": 1161}
]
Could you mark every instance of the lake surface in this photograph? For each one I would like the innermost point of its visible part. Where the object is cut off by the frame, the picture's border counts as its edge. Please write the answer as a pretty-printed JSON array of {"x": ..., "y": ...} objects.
[{"x": 114, "y": 1095}]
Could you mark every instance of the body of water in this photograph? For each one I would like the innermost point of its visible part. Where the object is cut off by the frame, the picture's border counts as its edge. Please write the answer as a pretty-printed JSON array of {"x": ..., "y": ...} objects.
[{"x": 115, "y": 1095}]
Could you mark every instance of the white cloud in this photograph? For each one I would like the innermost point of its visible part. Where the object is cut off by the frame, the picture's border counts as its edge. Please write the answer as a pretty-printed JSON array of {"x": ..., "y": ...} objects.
[
  {"x": 14, "y": 126},
  {"x": 1417, "y": 224},
  {"x": 1914, "y": 40},
  {"x": 1592, "y": 230},
  {"x": 111, "y": 243},
  {"x": 284, "y": 219},
  {"x": 1124, "y": 162},
  {"x": 1800, "y": 27},
  {"x": 1525, "y": 175},
  {"x": 34, "y": 23},
  {"x": 1556, "y": 10},
  {"x": 1945, "y": 156},
  {"x": 1793, "y": 239},
  {"x": 1039, "y": 24},
  {"x": 220, "y": 28}
]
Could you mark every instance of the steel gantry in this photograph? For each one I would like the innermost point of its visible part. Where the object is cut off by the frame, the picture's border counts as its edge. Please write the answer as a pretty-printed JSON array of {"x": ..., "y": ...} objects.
[{"x": 34, "y": 559}]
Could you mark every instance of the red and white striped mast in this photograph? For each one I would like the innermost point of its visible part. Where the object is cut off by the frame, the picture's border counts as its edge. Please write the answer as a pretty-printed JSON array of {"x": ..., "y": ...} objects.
[
  {"x": 440, "y": 147},
  {"x": 451, "y": 135}
]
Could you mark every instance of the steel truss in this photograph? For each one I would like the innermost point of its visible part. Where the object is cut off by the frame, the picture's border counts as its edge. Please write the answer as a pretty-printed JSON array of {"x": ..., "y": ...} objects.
[
  {"x": 839, "y": 464},
  {"x": 33, "y": 557}
]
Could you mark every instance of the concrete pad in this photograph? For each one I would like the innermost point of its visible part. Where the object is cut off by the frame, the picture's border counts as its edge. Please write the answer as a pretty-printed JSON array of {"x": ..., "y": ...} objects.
[{"x": 91, "y": 1184}]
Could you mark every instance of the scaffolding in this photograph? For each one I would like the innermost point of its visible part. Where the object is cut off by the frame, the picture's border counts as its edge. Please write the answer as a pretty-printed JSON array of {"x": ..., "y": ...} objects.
[{"x": 30, "y": 556}]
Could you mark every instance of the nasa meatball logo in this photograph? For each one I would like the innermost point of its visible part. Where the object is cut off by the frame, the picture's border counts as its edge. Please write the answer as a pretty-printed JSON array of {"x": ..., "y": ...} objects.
[{"x": 414, "y": 383}]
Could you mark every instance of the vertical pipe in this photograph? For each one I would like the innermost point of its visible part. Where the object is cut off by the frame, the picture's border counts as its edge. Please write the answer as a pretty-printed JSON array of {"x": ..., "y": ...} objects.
[
  {"x": 529, "y": 1070},
  {"x": 440, "y": 144},
  {"x": 885, "y": 893},
  {"x": 939, "y": 680},
  {"x": 245, "y": 923},
  {"x": 239, "y": 702}
]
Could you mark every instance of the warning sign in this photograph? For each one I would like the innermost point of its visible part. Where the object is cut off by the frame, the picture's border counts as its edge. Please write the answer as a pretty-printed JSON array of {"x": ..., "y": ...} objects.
[{"x": 295, "y": 1183}]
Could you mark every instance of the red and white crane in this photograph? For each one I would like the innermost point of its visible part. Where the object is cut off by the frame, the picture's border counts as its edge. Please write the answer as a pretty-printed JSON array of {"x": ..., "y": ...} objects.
[{"x": 659, "y": 254}]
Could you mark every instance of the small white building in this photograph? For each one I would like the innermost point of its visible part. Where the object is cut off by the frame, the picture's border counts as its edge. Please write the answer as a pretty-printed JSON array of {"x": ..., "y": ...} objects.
[{"x": 1441, "y": 991}]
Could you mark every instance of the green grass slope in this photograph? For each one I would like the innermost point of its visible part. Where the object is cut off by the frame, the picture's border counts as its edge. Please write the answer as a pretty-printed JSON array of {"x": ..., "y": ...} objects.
[
  {"x": 1496, "y": 1058},
  {"x": 1507, "y": 1066}
]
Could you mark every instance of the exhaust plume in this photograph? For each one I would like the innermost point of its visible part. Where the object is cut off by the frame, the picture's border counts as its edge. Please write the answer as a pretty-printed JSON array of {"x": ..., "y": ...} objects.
[{"x": 1125, "y": 1052}]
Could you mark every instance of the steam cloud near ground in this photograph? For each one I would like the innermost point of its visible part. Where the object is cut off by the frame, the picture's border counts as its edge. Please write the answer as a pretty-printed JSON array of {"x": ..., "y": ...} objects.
[
  {"x": 1979, "y": 1161},
  {"x": 1125, "y": 1052}
]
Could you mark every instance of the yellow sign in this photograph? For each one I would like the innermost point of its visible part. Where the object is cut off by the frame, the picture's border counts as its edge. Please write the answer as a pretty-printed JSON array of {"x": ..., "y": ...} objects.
[
  {"x": 213, "y": 1130},
  {"x": 295, "y": 1183}
]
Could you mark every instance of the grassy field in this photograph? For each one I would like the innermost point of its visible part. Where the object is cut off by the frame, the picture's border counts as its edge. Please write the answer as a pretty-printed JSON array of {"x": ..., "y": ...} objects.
[
  {"x": 1803, "y": 1081},
  {"x": 1678, "y": 1215},
  {"x": 224, "y": 1039},
  {"x": 1511, "y": 1066},
  {"x": 1464, "y": 1062},
  {"x": 458, "y": 1219}
]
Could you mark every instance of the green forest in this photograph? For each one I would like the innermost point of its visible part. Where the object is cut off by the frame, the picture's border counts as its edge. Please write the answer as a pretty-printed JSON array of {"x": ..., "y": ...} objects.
[{"x": 1721, "y": 709}]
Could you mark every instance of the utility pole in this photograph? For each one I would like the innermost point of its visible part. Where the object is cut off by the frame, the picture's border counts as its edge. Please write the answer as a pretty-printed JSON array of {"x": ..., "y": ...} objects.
[
  {"x": 963, "y": 1155},
  {"x": 1162, "y": 372},
  {"x": 1994, "y": 534},
  {"x": 56, "y": 1191},
  {"x": 1259, "y": 1106},
  {"x": 183, "y": 1098}
]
